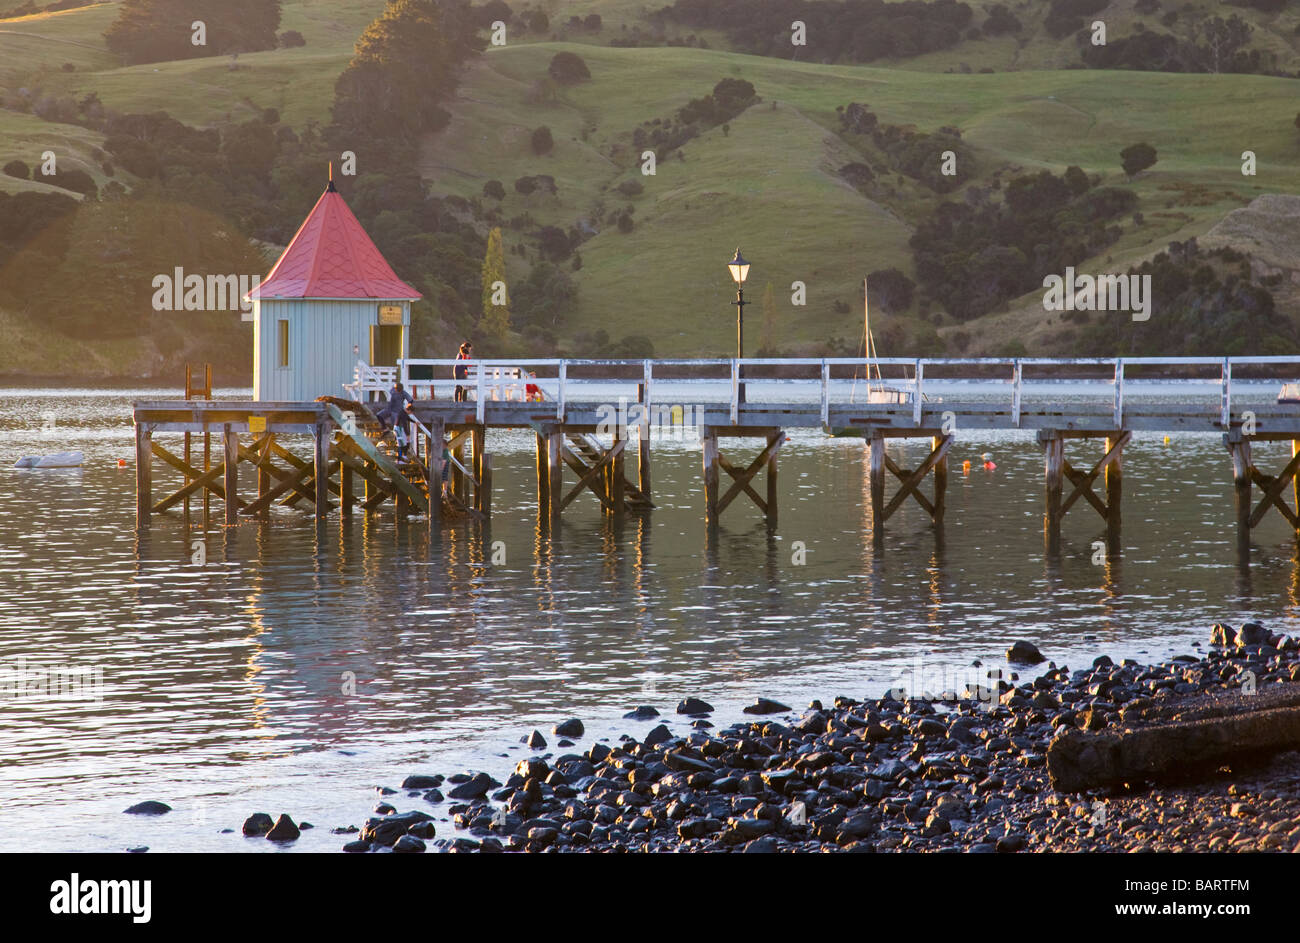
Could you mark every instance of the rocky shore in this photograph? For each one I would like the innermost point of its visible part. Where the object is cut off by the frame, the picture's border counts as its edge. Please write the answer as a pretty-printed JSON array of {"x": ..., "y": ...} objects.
[{"x": 957, "y": 771}]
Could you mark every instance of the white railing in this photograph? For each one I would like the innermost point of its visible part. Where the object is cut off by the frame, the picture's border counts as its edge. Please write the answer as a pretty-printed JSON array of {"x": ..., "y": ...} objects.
[
  {"x": 720, "y": 380},
  {"x": 367, "y": 380}
]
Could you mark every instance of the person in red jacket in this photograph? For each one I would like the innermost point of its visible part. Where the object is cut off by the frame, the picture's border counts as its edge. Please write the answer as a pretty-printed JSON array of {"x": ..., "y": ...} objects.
[{"x": 461, "y": 372}]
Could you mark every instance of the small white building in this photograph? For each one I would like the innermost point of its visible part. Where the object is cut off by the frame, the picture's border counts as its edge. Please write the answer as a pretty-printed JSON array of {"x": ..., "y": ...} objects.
[{"x": 331, "y": 300}]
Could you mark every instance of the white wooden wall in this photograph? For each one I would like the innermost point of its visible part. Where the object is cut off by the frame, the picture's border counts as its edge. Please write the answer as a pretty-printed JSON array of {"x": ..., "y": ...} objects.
[{"x": 321, "y": 337}]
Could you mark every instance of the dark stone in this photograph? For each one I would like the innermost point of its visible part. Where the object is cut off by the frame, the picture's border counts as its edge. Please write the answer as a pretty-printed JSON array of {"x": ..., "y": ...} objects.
[
  {"x": 357, "y": 847},
  {"x": 569, "y": 728},
  {"x": 284, "y": 830},
  {"x": 149, "y": 807},
  {"x": 1251, "y": 633},
  {"x": 532, "y": 769},
  {"x": 1223, "y": 635},
  {"x": 1011, "y": 843},
  {"x": 422, "y": 830},
  {"x": 765, "y": 846},
  {"x": 421, "y": 782},
  {"x": 388, "y": 829},
  {"x": 476, "y": 787},
  {"x": 765, "y": 705},
  {"x": 641, "y": 713},
  {"x": 141, "y": 849},
  {"x": 408, "y": 845},
  {"x": 536, "y": 740},
  {"x": 384, "y": 808},
  {"x": 1025, "y": 653},
  {"x": 434, "y": 795},
  {"x": 694, "y": 707},
  {"x": 659, "y": 734},
  {"x": 258, "y": 824}
]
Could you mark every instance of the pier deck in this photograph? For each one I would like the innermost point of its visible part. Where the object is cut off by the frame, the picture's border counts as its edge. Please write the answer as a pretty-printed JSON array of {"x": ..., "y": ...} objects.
[{"x": 578, "y": 404}]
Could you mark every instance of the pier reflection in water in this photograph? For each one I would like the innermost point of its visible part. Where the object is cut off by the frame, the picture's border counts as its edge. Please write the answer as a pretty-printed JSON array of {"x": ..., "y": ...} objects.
[{"x": 298, "y": 666}]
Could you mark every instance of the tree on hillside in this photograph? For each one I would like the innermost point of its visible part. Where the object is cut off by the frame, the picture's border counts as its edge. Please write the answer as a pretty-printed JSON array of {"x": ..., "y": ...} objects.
[
  {"x": 891, "y": 290},
  {"x": 405, "y": 64},
  {"x": 162, "y": 30},
  {"x": 1219, "y": 39},
  {"x": 495, "y": 321},
  {"x": 542, "y": 141},
  {"x": 568, "y": 68},
  {"x": 1137, "y": 158}
]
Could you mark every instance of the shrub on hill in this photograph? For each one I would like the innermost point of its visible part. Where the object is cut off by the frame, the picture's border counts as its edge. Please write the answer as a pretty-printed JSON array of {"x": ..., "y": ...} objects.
[
  {"x": 16, "y": 168},
  {"x": 292, "y": 39},
  {"x": 1137, "y": 158},
  {"x": 162, "y": 30},
  {"x": 910, "y": 152},
  {"x": 862, "y": 31},
  {"x": 976, "y": 255},
  {"x": 494, "y": 189},
  {"x": 568, "y": 68},
  {"x": 542, "y": 141}
]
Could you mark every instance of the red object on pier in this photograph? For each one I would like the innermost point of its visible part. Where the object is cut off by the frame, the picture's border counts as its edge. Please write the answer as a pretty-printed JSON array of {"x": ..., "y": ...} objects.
[{"x": 332, "y": 257}]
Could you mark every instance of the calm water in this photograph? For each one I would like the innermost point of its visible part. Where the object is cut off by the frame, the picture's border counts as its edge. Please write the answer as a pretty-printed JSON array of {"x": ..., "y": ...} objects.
[{"x": 223, "y": 683}]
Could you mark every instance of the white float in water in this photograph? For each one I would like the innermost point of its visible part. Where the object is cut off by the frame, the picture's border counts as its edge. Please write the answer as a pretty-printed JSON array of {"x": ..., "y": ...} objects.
[{"x": 57, "y": 460}]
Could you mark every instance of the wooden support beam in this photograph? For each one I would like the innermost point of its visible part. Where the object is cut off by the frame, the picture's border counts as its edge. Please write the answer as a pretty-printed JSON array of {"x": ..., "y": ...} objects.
[
  {"x": 543, "y": 476},
  {"x": 555, "y": 470},
  {"x": 435, "y": 463},
  {"x": 940, "y": 482},
  {"x": 231, "y": 440},
  {"x": 774, "y": 442},
  {"x": 478, "y": 446},
  {"x": 322, "y": 451},
  {"x": 876, "y": 480},
  {"x": 913, "y": 481},
  {"x": 709, "y": 441},
  {"x": 593, "y": 475},
  {"x": 904, "y": 475},
  {"x": 347, "y": 495},
  {"x": 1054, "y": 470},
  {"x": 1115, "y": 485},
  {"x": 1239, "y": 451},
  {"x": 1273, "y": 489},
  {"x": 263, "y": 472},
  {"x": 614, "y": 472},
  {"x": 643, "y": 459},
  {"x": 743, "y": 478},
  {"x": 143, "y": 473}
]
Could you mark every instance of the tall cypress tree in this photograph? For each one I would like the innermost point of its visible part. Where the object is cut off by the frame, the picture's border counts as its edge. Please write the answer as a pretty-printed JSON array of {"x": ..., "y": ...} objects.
[{"x": 495, "y": 321}]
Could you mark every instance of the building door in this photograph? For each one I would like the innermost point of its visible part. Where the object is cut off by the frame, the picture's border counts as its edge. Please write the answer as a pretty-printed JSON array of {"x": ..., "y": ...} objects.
[{"x": 385, "y": 345}]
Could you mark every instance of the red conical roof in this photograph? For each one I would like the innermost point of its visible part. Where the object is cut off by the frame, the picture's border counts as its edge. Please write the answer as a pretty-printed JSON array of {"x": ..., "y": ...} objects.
[{"x": 332, "y": 257}]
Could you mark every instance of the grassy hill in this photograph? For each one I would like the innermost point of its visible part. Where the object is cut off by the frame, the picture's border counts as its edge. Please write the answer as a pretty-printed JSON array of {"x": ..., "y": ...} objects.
[{"x": 769, "y": 183}]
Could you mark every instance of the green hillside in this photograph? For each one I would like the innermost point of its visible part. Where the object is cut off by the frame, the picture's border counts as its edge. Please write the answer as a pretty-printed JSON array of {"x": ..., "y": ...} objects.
[{"x": 769, "y": 182}]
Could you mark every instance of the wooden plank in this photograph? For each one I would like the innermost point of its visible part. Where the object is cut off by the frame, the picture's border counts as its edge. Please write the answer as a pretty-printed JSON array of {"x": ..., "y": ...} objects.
[
  {"x": 709, "y": 442},
  {"x": 876, "y": 481},
  {"x": 1082, "y": 487},
  {"x": 555, "y": 468},
  {"x": 417, "y": 497},
  {"x": 1114, "y": 484},
  {"x": 904, "y": 475},
  {"x": 940, "y": 481},
  {"x": 590, "y": 476},
  {"x": 143, "y": 473},
  {"x": 434, "y": 484},
  {"x": 1273, "y": 495},
  {"x": 321, "y": 443},
  {"x": 486, "y": 484},
  {"x": 1054, "y": 460},
  {"x": 771, "y": 477},
  {"x": 914, "y": 480},
  {"x": 231, "y": 440}
]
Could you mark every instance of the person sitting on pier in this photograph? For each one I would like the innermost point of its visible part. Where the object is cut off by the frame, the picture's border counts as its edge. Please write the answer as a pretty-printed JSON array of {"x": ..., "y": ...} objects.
[
  {"x": 393, "y": 410},
  {"x": 462, "y": 372}
]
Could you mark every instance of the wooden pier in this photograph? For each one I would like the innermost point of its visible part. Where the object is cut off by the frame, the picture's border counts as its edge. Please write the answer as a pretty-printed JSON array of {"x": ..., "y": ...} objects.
[{"x": 585, "y": 415}]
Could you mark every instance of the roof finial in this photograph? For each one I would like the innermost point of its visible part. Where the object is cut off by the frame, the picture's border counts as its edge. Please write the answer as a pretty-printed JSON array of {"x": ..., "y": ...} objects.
[{"x": 331, "y": 188}]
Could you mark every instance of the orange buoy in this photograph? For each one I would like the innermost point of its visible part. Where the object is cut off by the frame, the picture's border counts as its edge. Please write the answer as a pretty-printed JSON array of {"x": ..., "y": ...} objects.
[
  {"x": 121, "y": 463},
  {"x": 989, "y": 466},
  {"x": 965, "y": 467}
]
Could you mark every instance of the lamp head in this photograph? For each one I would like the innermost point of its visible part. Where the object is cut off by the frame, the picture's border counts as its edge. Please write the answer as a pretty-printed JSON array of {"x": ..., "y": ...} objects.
[{"x": 739, "y": 268}]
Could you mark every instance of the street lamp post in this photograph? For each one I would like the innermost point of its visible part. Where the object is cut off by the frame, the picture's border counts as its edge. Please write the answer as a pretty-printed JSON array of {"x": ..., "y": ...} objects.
[{"x": 739, "y": 269}]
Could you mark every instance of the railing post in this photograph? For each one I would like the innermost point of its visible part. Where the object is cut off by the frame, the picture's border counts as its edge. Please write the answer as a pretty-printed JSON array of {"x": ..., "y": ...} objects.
[
  {"x": 1119, "y": 392},
  {"x": 826, "y": 385},
  {"x": 646, "y": 379},
  {"x": 559, "y": 405},
  {"x": 1017, "y": 375},
  {"x": 735, "y": 391},
  {"x": 1225, "y": 409},
  {"x": 916, "y": 405},
  {"x": 481, "y": 391}
]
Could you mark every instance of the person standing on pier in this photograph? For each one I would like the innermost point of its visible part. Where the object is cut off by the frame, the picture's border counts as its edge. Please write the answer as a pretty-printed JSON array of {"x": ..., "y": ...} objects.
[{"x": 462, "y": 372}]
